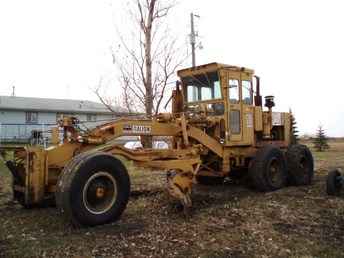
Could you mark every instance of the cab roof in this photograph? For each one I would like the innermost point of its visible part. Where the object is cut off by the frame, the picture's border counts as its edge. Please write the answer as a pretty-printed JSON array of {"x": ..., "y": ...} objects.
[{"x": 211, "y": 67}]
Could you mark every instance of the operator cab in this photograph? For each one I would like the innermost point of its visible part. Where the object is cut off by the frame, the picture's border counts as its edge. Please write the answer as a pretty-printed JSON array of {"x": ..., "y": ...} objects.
[
  {"x": 225, "y": 92},
  {"x": 217, "y": 83}
]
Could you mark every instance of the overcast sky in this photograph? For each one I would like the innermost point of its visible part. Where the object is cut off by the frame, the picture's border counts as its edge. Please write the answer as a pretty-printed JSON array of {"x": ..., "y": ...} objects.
[{"x": 60, "y": 49}]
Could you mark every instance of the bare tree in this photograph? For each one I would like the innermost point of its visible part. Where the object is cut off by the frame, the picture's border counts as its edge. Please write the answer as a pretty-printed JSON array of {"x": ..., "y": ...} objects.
[
  {"x": 148, "y": 56},
  {"x": 124, "y": 101},
  {"x": 106, "y": 101},
  {"x": 127, "y": 102}
]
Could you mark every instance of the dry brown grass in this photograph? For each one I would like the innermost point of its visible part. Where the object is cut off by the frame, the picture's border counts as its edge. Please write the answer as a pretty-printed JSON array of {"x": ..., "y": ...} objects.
[{"x": 227, "y": 221}]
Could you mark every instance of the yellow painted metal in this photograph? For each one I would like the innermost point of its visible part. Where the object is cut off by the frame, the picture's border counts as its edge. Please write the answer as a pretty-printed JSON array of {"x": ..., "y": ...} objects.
[
  {"x": 258, "y": 119},
  {"x": 187, "y": 165},
  {"x": 59, "y": 155},
  {"x": 212, "y": 67},
  {"x": 184, "y": 132},
  {"x": 35, "y": 175},
  {"x": 206, "y": 140},
  {"x": 179, "y": 186}
]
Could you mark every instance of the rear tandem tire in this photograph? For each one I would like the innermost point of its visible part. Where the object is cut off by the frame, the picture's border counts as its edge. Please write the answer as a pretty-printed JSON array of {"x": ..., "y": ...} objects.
[
  {"x": 333, "y": 184},
  {"x": 93, "y": 189},
  {"x": 268, "y": 171},
  {"x": 300, "y": 165}
]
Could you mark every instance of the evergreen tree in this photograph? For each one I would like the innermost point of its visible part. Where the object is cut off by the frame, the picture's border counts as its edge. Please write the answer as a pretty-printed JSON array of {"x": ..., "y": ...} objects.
[
  {"x": 294, "y": 137},
  {"x": 320, "y": 140}
]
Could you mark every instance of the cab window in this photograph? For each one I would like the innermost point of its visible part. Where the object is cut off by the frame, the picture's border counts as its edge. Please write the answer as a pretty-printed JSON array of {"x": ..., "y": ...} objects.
[
  {"x": 192, "y": 93},
  {"x": 247, "y": 92},
  {"x": 217, "y": 90},
  {"x": 233, "y": 87},
  {"x": 206, "y": 93},
  {"x": 202, "y": 87}
]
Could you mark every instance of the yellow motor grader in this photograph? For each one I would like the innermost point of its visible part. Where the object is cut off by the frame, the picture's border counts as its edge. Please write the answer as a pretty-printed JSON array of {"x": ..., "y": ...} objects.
[{"x": 218, "y": 128}]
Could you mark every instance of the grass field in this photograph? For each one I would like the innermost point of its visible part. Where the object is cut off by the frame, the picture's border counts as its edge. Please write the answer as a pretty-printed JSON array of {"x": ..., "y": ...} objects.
[{"x": 226, "y": 221}]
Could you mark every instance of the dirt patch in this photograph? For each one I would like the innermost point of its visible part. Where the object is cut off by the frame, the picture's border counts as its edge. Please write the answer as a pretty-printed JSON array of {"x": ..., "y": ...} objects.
[{"x": 226, "y": 221}]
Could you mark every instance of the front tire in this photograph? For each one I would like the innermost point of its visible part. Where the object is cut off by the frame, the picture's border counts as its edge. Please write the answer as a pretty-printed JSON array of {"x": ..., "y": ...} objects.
[
  {"x": 333, "y": 183},
  {"x": 93, "y": 190},
  {"x": 267, "y": 170}
]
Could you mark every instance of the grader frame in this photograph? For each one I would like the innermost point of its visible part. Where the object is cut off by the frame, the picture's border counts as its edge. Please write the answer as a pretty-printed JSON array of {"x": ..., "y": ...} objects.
[{"x": 217, "y": 127}]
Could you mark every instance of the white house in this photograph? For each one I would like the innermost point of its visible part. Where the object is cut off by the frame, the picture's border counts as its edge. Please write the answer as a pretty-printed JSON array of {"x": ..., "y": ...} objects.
[{"x": 20, "y": 115}]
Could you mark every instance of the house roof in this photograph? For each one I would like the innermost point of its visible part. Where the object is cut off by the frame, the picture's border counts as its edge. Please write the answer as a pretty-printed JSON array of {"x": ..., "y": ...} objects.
[{"x": 54, "y": 105}]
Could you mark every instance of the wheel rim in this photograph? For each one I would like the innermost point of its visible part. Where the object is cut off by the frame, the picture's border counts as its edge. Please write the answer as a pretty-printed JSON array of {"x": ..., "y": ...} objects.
[
  {"x": 274, "y": 171},
  {"x": 100, "y": 192}
]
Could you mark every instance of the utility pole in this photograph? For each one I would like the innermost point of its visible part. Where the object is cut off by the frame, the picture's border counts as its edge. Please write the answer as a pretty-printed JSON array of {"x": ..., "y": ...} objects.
[{"x": 193, "y": 36}]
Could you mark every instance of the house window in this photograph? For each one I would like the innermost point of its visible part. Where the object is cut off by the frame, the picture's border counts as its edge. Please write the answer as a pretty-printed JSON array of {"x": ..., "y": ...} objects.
[
  {"x": 91, "y": 118},
  {"x": 31, "y": 117}
]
